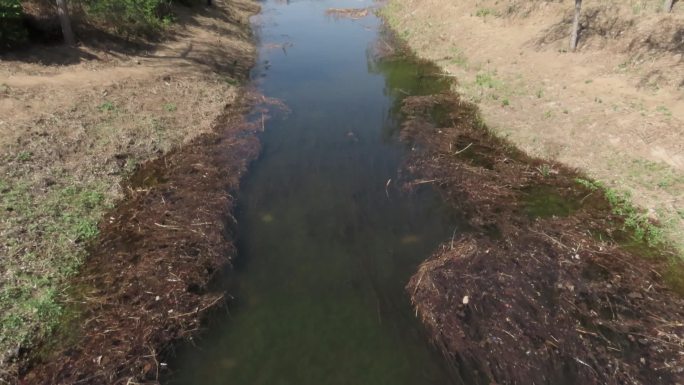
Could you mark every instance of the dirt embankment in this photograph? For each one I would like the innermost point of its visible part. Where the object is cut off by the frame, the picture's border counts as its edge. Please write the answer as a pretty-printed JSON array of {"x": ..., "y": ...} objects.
[
  {"x": 74, "y": 124},
  {"x": 614, "y": 108},
  {"x": 540, "y": 292}
]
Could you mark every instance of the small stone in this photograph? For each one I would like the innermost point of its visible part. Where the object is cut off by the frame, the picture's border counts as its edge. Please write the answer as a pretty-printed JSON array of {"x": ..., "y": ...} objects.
[{"x": 466, "y": 300}]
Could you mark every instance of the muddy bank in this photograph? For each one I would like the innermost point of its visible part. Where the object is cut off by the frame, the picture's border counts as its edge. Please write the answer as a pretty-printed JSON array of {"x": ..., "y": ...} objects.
[
  {"x": 145, "y": 284},
  {"x": 540, "y": 292}
]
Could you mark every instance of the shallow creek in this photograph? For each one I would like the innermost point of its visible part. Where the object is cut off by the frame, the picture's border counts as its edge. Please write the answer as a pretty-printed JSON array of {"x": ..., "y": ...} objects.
[{"x": 326, "y": 244}]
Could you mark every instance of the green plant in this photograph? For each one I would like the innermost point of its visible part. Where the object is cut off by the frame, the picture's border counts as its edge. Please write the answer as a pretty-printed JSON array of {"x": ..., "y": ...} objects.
[
  {"x": 486, "y": 80},
  {"x": 545, "y": 170},
  {"x": 24, "y": 156},
  {"x": 635, "y": 221},
  {"x": 131, "y": 17},
  {"x": 107, "y": 106},
  {"x": 230, "y": 81},
  {"x": 12, "y": 30},
  {"x": 589, "y": 185},
  {"x": 483, "y": 12},
  {"x": 170, "y": 107},
  {"x": 505, "y": 102},
  {"x": 59, "y": 223},
  {"x": 664, "y": 110}
]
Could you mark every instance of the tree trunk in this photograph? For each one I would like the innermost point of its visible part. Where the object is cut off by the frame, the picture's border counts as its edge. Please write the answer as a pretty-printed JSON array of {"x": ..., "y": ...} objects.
[
  {"x": 63, "y": 14},
  {"x": 667, "y": 6},
  {"x": 575, "y": 25}
]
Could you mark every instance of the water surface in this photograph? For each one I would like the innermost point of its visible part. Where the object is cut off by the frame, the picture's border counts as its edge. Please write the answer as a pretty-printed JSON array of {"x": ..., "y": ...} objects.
[{"x": 326, "y": 245}]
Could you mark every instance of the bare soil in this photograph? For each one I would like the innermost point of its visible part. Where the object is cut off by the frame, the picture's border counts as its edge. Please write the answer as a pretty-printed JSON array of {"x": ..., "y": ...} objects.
[
  {"x": 614, "y": 108},
  {"x": 540, "y": 292}
]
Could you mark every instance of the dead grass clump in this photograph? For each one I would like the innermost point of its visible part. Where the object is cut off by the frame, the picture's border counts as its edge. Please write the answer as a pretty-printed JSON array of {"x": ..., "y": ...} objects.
[{"x": 549, "y": 307}]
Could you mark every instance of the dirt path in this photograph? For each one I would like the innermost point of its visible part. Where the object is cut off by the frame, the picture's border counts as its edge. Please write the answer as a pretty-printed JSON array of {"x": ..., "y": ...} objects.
[
  {"x": 75, "y": 123},
  {"x": 613, "y": 109}
]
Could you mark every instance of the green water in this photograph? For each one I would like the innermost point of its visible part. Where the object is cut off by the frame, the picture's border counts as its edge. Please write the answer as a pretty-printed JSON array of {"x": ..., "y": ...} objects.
[{"x": 326, "y": 245}]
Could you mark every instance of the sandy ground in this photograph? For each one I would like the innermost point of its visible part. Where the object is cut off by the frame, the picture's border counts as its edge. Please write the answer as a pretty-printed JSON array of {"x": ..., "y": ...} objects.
[
  {"x": 613, "y": 109},
  {"x": 74, "y": 122}
]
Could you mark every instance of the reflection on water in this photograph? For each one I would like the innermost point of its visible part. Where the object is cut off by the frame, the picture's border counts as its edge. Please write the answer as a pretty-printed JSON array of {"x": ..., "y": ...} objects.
[{"x": 326, "y": 243}]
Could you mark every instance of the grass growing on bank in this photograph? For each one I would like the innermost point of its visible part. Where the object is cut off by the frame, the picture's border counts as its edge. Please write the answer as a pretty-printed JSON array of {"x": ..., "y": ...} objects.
[
  {"x": 636, "y": 221},
  {"x": 57, "y": 225}
]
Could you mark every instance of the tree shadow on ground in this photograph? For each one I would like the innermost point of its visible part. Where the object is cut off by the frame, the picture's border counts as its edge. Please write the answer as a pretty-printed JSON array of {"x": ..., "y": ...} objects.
[{"x": 46, "y": 47}]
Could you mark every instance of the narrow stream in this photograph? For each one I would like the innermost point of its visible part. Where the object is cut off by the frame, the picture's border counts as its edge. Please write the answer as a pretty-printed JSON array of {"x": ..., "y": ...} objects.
[{"x": 326, "y": 246}]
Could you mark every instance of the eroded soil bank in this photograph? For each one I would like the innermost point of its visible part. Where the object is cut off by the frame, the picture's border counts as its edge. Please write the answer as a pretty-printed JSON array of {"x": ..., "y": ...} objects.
[{"x": 541, "y": 292}]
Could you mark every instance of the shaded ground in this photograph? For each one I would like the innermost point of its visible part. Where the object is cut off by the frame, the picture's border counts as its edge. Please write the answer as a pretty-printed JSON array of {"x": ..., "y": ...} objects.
[
  {"x": 75, "y": 123},
  {"x": 614, "y": 108},
  {"x": 540, "y": 292}
]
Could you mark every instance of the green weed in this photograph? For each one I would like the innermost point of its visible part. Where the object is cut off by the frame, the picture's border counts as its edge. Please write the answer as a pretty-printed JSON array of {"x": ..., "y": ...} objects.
[
  {"x": 635, "y": 221},
  {"x": 107, "y": 106},
  {"x": 53, "y": 228},
  {"x": 229, "y": 80},
  {"x": 664, "y": 110},
  {"x": 484, "y": 12},
  {"x": 24, "y": 156},
  {"x": 545, "y": 170},
  {"x": 486, "y": 80}
]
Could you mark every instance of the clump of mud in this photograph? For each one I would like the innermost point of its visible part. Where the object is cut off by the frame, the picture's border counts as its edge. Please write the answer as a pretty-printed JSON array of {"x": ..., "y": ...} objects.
[
  {"x": 535, "y": 295},
  {"x": 145, "y": 284}
]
